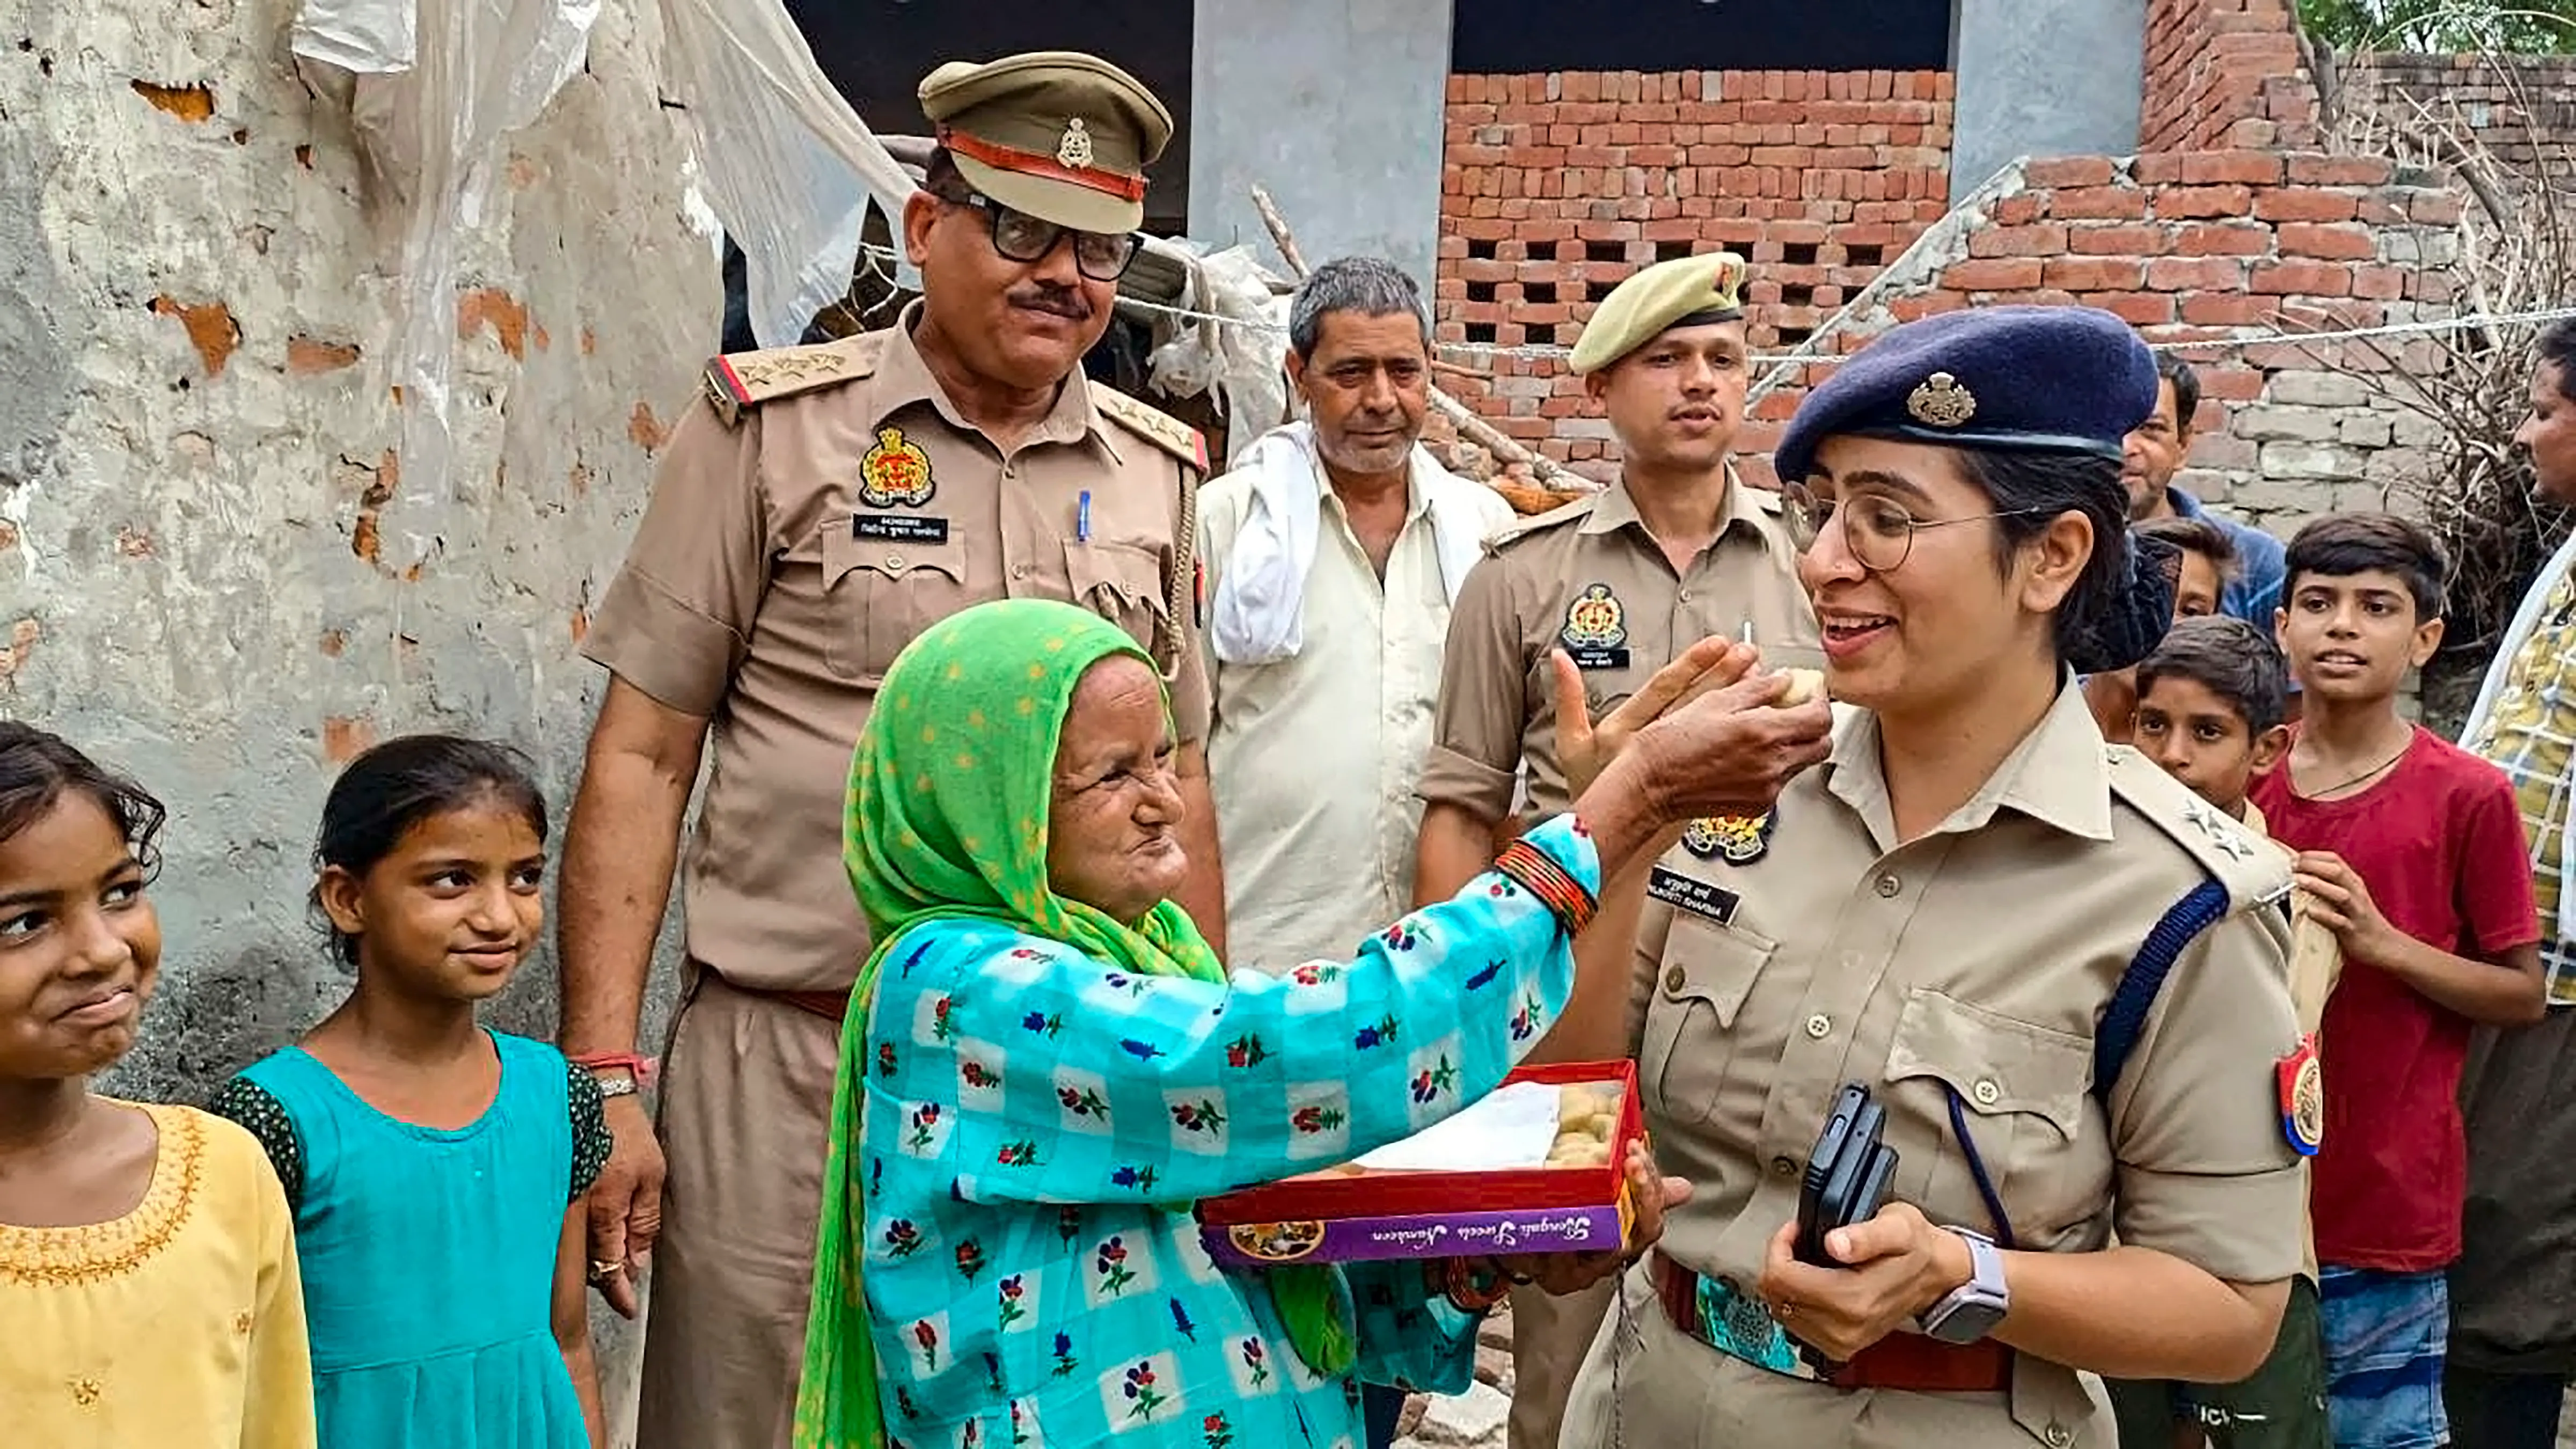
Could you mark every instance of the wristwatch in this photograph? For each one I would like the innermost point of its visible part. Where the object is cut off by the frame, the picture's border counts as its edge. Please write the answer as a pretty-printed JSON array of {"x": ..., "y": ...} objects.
[{"x": 1970, "y": 1311}]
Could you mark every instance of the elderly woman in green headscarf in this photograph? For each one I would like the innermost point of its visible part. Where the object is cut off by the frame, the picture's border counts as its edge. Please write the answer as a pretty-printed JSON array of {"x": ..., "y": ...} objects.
[{"x": 1046, "y": 1065}]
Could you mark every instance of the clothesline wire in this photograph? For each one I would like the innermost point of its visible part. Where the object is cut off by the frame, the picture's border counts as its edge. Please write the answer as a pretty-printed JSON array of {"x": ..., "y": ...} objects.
[{"x": 2239, "y": 337}]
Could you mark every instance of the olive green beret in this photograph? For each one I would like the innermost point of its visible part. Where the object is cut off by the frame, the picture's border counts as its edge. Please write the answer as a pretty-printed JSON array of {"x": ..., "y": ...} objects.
[
  {"x": 1060, "y": 135},
  {"x": 1707, "y": 288}
]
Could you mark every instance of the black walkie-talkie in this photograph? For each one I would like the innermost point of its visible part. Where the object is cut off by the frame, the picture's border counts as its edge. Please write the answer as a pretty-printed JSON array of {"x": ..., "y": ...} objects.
[{"x": 1845, "y": 1182}]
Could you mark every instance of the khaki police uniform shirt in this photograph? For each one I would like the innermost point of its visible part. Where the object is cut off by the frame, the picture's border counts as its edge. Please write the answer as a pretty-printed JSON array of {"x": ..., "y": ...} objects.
[
  {"x": 786, "y": 558},
  {"x": 1973, "y": 960},
  {"x": 1589, "y": 578}
]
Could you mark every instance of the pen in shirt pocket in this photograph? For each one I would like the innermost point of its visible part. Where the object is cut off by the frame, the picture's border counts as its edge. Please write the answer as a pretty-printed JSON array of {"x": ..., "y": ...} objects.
[{"x": 1082, "y": 518}]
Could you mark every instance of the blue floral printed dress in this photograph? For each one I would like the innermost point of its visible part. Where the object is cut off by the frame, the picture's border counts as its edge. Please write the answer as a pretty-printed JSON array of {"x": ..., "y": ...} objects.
[{"x": 1037, "y": 1127}]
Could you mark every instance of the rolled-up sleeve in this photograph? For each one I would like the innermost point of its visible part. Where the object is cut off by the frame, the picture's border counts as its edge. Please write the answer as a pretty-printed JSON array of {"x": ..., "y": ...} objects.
[
  {"x": 1476, "y": 732},
  {"x": 677, "y": 620},
  {"x": 2205, "y": 1169}
]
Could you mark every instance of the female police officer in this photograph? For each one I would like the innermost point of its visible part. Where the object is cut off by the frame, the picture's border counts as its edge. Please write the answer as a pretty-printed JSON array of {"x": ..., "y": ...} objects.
[{"x": 1942, "y": 913}]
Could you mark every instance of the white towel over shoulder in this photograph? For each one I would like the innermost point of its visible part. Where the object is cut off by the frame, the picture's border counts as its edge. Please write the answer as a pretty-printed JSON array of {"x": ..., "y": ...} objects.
[{"x": 1257, "y": 616}]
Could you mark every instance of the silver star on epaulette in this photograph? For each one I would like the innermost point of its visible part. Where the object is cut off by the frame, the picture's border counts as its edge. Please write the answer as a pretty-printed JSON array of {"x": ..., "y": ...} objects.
[{"x": 2223, "y": 833}]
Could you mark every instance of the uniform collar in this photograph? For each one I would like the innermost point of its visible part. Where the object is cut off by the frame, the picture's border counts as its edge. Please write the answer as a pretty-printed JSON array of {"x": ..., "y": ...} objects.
[
  {"x": 903, "y": 379},
  {"x": 2058, "y": 775},
  {"x": 1613, "y": 509}
]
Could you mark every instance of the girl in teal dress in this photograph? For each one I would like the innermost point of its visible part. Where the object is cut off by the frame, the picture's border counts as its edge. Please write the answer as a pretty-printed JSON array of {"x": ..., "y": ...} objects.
[{"x": 436, "y": 1168}]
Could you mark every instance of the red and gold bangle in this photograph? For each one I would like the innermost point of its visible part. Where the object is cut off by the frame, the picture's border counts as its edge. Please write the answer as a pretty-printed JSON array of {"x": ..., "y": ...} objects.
[
  {"x": 1471, "y": 1285},
  {"x": 1556, "y": 888}
]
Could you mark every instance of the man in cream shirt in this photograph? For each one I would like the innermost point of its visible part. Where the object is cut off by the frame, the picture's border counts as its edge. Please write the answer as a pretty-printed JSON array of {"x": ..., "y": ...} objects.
[{"x": 1332, "y": 550}]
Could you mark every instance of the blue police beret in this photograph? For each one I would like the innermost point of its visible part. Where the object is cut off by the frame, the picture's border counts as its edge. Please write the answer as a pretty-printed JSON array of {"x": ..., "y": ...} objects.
[{"x": 2011, "y": 379}]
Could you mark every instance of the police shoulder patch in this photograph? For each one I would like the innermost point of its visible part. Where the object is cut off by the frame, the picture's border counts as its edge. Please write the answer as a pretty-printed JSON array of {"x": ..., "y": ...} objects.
[
  {"x": 739, "y": 381},
  {"x": 1157, "y": 427}
]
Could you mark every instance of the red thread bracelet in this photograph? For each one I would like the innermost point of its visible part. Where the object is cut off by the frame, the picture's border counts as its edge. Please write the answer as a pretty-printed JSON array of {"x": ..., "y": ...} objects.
[{"x": 638, "y": 1067}]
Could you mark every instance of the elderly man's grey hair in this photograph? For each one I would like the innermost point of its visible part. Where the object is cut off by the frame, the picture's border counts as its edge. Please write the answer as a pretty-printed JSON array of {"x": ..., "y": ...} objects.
[{"x": 1369, "y": 286}]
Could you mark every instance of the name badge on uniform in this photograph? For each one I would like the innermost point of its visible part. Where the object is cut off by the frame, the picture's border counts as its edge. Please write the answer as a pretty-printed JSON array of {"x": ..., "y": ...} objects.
[
  {"x": 1700, "y": 898},
  {"x": 1596, "y": 630},
  {"x": 2303, "y": 1097},
  {"x": 899, "y": 527}
]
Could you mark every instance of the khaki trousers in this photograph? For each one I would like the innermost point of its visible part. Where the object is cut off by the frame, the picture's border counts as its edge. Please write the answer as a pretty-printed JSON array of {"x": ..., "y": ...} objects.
[
  {"x": 1549, "y": 1339},
  {"x": 746, "y": 1108}
]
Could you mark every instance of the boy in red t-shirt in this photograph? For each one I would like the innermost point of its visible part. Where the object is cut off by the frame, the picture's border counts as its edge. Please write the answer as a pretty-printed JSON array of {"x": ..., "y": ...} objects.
[{"x": 2413, "y": 850}]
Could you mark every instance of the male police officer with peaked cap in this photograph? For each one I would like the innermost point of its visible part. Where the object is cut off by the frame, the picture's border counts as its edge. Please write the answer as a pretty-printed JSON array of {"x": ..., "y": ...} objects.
[{"x": 817, "y": 509}]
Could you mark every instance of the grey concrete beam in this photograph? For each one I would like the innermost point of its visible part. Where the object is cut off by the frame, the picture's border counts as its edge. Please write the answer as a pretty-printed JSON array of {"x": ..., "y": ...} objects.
[{"x": 2044, "y": 78}]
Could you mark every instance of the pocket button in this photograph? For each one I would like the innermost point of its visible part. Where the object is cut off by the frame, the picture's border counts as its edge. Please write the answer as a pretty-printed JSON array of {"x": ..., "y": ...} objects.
[
  {"x": 1888, "y": 885},
  {"x": 1987, "y": 1093},
  {"x": 1674, "y": 979},
  {"x": 1820, "y": 1026}
]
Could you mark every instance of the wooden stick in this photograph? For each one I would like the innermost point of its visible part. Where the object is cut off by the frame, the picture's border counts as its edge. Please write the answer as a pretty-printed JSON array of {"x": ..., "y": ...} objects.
[{"x": 1506, "y": 449}]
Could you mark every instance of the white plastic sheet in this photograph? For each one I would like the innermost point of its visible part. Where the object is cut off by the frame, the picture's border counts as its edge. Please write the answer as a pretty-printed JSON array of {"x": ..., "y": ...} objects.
[
  {"x": 1238, "y": 357},
  {"x": 787, "y": 165},
  {"x": 433, "y": 124},
  {"x": 1512, "y": 1127}
]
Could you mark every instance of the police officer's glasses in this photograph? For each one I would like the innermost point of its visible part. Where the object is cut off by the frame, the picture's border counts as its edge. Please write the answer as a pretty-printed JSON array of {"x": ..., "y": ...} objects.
[
  {"x": 1103, "y": 256},
  {"x": 1879, "y": 531}
]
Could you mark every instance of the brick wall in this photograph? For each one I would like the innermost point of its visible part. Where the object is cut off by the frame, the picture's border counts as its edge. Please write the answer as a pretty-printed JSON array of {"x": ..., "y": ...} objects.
[
  {"x": 2224, "y": 73},
  {"x": 2522, "y": 107},
  {"x": 1557, "y": 186}
]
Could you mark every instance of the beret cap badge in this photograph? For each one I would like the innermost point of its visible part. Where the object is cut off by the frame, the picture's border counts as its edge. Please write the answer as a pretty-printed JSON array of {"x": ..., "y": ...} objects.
[
  {"x": 1941, "y": 402},
  {"x": 1075, "y": 149}
]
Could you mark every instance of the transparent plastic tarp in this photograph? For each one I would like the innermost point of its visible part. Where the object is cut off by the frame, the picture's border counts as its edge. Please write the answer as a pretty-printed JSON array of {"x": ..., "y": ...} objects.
[{"x": 1237, "y": 357}]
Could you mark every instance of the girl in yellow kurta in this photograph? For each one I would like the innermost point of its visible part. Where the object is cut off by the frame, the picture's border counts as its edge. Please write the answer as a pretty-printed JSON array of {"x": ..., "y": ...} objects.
[{"x": 148, "y": 1293}]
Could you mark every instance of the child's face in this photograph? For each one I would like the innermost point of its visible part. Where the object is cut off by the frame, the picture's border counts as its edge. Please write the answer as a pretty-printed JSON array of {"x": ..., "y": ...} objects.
[
  {"x": 2196, "y": 592},
  {"x": 80, "y": 946},
  {"x": 452, "y": 909},
  {"x": 2200, "y": 739},
  {"x": 2353, "y": 637}
]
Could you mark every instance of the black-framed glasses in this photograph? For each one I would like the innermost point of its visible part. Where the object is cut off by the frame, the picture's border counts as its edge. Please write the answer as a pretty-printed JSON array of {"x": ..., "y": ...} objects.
[
  {"x": 1103, "y": 256},
  {"x": 1878, "y": 530}
]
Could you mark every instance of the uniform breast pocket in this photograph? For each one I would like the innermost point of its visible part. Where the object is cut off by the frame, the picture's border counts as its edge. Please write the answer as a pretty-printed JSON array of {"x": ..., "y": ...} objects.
[
  {"x": 879, "y": 595},
  {"x": 1687, "y": 1041},
  {"x": 1121, "y": 582},
  {"x": 2019, "y": 1089}
]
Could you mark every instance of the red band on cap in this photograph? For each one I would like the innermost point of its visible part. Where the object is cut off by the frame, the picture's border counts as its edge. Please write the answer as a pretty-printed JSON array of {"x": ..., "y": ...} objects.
[{"x": 1034, "y": 163}]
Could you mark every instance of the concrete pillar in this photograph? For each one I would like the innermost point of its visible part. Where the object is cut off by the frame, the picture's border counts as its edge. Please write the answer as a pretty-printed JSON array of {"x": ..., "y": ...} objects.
[
  {"x": 1336, "y": 109},
  {"x": 2066, "y": 78}
]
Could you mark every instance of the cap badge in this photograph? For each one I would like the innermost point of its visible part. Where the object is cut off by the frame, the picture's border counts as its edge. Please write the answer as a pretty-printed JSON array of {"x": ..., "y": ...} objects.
[
  {"x": 1075, "y": 149},
  {"x": 1940, "y": 401}
]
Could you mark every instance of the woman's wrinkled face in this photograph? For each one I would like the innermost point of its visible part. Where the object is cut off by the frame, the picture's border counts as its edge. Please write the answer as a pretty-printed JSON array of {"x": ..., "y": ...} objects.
[{"x": 1113, "y": 841}]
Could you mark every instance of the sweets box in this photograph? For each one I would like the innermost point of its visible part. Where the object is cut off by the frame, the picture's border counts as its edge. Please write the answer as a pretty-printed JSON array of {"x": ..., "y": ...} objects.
[{"x": 1351, "y": 1214}]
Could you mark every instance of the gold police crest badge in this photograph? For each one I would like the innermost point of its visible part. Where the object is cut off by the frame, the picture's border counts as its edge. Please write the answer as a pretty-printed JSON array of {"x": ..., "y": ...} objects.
[
  {"x": 1074, "y": 150},
  {"x": 895, "y": 473},
  {"x": 1941, "y": 401},
  {"x": 1596, "y": 629},
  {"x": 1735, "y": 839}
]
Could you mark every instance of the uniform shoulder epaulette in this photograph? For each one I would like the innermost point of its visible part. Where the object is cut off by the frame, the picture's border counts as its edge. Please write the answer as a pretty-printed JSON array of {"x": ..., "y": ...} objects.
[
  {"x": 1157, "y": 427},
  {"x": 1523, "y": 527},
  {"x": 740, "y": 380},
  {"x": 1766, "y": 499},
  {"x": 2253, "y": 869}
]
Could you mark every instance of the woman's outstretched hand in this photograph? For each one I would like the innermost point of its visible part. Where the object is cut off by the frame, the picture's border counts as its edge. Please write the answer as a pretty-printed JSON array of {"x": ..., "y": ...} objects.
[{"x": 1585, "y": 748}]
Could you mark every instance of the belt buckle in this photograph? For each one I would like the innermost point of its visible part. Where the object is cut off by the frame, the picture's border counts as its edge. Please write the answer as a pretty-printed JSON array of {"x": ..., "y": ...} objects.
[{"x": 1736, "y": 1324}]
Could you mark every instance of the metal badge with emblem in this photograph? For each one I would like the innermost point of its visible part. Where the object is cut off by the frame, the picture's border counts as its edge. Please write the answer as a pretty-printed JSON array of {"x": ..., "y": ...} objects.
[
  {"x": 1075, "y": 149},
  {"x": 1735, "y": 839},
  {"x": 1940, "y": 401},
  {"x": 1596, "y": 630},
  {"x": 2302, "y": 1080}
]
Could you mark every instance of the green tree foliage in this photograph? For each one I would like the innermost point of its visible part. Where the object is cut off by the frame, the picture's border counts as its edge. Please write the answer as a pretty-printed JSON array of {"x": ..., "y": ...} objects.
[{"x": 2442, "y": 26}]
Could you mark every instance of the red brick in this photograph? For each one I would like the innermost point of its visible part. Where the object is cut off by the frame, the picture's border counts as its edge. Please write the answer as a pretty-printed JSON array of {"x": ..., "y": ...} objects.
[
  {"x": 2098, "y": 203},
  {"x": 2120, "y": 240},
  {"x": 2335, "y": 243},
  {"x": 2297, "y": 205},
  {"x": 306, "y": 356},
  {"x": 2230, "y": 384},
  {"x": 2195, "y": 274},
  {"x": 2156, "y": 170},
  {"x": 2434, "y": 208},
  {"x": 2223, "y": 309},
  {"x": 2240, "y": 239},
  {"x": 2213, "y": 168},
  {"x": 2094, "y": 274},
  {"x": 2017, "y": 241},
  {"x": 2069, "y": 171},
  {"x": 2198, "y": 201},
  {"x": 2138, "y": 309},
  {"x": 2340, "y": 171},
  {"x": 2380, "y": 284},
  {"x": 2300, "y": 279},
  {"x": 2016, "y": 210},
  {"x": 1996, "y": 275}
]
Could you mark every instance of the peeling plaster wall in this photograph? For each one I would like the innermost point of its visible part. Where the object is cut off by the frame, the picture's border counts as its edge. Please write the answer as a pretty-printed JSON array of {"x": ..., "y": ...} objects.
[{"x": 212, "y": 570}]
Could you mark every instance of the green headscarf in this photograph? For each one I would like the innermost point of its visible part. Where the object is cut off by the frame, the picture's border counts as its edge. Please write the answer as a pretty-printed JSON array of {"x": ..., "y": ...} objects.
[{"x": 947, "y": 817}]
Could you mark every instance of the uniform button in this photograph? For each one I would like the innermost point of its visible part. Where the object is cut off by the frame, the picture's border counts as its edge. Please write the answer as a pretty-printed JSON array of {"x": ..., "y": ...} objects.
[
  {"x": 2058, "y": 1436},
  {"x": 1019, "y": 571},
  {"x": 1888, "y": 885},
  {"x": 894, "y": 560},
  {"x": 1820, "y": 1026},
  {"x": 1684, "y": 596},
  {"x": 1987, "y": 1093},
  {"x": 1674, "y": 978},
  {"x": 1784, "y": 1167}
]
